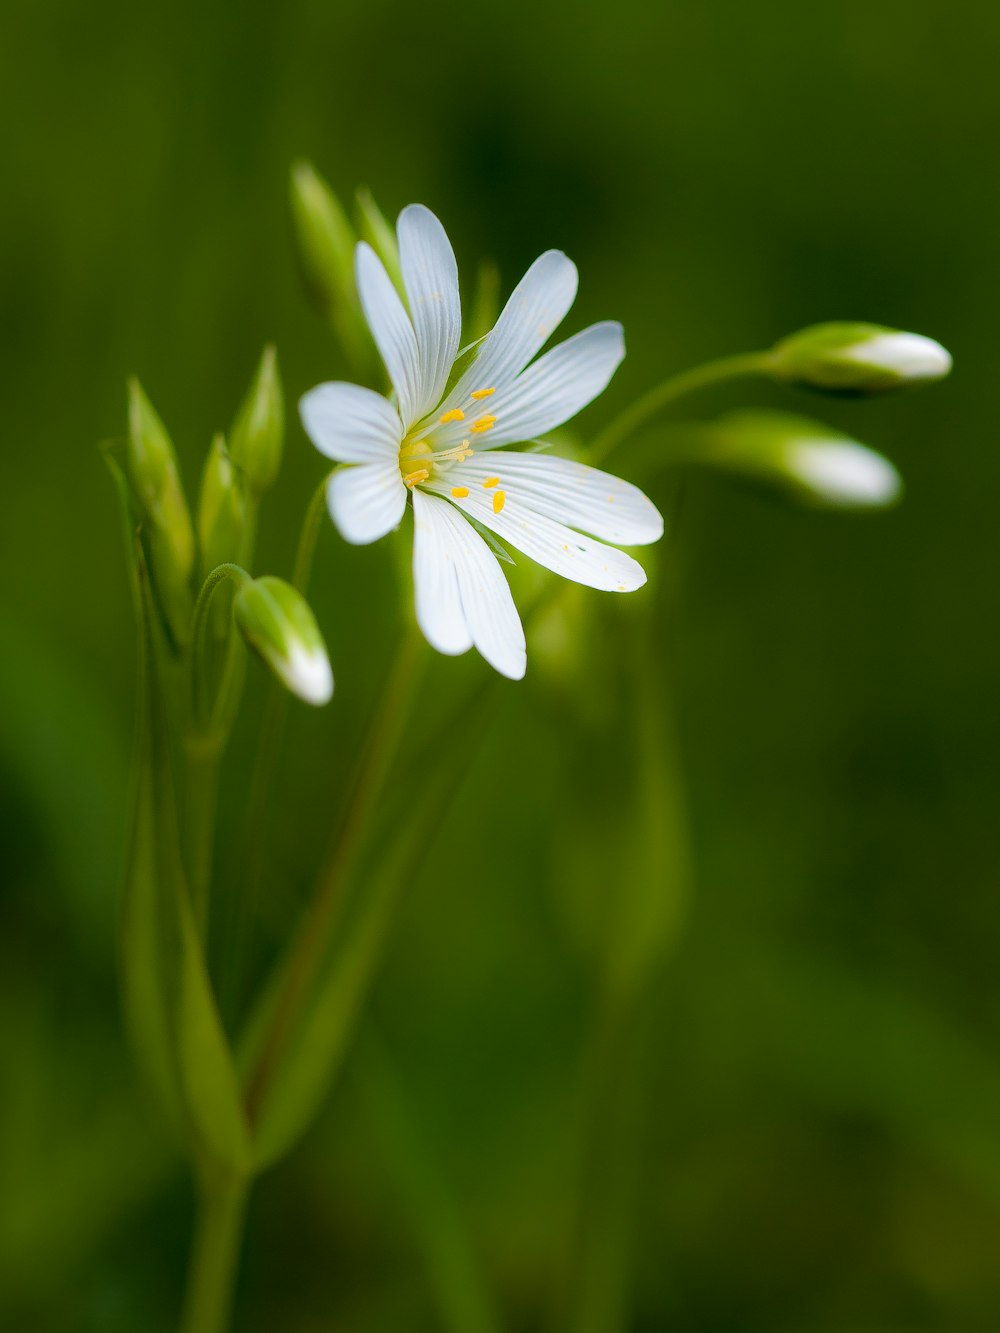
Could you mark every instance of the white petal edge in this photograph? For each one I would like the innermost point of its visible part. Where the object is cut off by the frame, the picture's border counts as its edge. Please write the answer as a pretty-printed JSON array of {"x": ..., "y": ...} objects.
[
  {"x": 350, "y": 424},
  {"x": 552, "y": 545},
  {"x": 558, "y": 386},
  {"x": 367, "y": 501},
  {"x": 487, "y": 605},
  {"x": 843, "y": 472},
  {"x": 910, "y": 355},
  {"x": 307, "y": 673},
  {"x": 572, "y": 493},
  {"x": 390, "y": 327},
  {"x": 537, "y": 306},
  {"x": 430, "y": 275},
  {"x": 435, "y": 581}
]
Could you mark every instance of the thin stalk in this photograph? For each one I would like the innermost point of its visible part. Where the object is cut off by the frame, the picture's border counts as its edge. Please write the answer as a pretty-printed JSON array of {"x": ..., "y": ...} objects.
[
  {"x": 215, "y": 1256},
  {"x": 272, "y": 727},
  {"x": 205, "y": 739},
  {"x": 744, "y": 366},
  {"x": 314, "y": 935}
]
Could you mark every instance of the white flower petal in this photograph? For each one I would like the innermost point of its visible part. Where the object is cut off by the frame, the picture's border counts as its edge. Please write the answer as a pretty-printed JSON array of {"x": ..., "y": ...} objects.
[
  {"x": 557, "y": 386},
  {"x": 430, "y": 275},
  {"x": 487, "y": 605},
  {"x": 390, "y": 327},
  {"x": 551, "y": 544},
  {"x": 350, "y": 424},
  {"x": 435, "y": 580},
  {"x": 308, "y": 674},
  {"x": 571, "y": 493},
  {"x": 910, "y": 355},
  {"x": 367, "y": 501},
  {"x": 537, "y": 306}
]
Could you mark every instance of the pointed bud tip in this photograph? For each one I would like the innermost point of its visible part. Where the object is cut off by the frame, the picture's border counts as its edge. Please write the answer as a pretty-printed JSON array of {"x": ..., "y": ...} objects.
[
  {"x": 277, "y": 623},
  {"x": 850, "y": 358}
]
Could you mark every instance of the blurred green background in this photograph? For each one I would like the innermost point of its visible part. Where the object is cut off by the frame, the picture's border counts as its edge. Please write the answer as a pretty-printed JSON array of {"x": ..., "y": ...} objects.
[{"x": 817, "y": 1145}]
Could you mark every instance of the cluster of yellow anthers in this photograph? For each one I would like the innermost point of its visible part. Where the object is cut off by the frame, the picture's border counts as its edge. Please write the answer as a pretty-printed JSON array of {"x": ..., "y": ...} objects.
[{"x": 420, "y": 451}]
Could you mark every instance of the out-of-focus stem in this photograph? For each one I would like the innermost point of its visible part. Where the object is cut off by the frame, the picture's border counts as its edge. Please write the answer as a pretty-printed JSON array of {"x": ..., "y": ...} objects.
[
  {"x": 215, "y": 1256},
  {"x": 670, "y": 391}
]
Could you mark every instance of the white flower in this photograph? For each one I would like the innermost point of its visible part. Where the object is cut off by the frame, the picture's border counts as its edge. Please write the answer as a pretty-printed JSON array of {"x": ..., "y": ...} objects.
[{"x": 445, "y": 449}]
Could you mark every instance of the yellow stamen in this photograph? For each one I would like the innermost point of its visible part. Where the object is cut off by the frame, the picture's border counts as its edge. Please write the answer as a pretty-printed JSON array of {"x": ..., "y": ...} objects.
[
  {"x": 484, "y": 423},
  {"x": 499, "y": 500},
  {"x": 482, "y": 393},
  {"x": 414, "y": 478},
  {"x": 460, "y": 492},
  {"x": 456, "y": 414},
  {"x": 491, "y": 481}
]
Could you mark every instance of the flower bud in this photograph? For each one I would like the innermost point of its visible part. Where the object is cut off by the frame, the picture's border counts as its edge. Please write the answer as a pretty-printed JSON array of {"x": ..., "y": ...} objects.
[
  {"x": 815, "y": 463},
  {"x": 221, "y": 509},
  {"x": 152, "y": 470},
  {"x": 259, "y": 430},
  {"x": 326, "y": 241},
  {"x": 857, "y": 359},
  {"x": 277, "y": 623},
  {"x": 380, "y": 236}
]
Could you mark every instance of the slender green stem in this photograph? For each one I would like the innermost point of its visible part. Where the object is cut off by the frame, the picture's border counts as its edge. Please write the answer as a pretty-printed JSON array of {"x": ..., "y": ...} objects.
[
  {"x": 205, "y": 739},
  {"x": 670, "y": 391},
  {"x": 215, "y": 1256},
  {"x": 314, "y": 935},
  {"x": 265, "y": 761}
]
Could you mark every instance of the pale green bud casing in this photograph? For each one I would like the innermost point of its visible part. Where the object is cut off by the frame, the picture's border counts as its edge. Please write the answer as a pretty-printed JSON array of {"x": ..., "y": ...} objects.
[
  {"x": 846, "y": 358},
  {"x": 221, "y": 509},
  {"x": 277, "y": 623},
  {"x": 325, "y": 238},
  {"x": 816, "y": 464},
  {"x": 258, "y": 433},
  {"x": 153, "y": 472}
]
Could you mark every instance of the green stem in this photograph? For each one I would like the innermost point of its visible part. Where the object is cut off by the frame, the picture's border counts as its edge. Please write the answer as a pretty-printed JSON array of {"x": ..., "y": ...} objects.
[
  {"x": 205, "y": 739},
  {"x": 746, "y": 365},
  {"x": 215, "y": 1256},
  {"x": 265, "y": 762},
  {"x": 314, "y": 935}
]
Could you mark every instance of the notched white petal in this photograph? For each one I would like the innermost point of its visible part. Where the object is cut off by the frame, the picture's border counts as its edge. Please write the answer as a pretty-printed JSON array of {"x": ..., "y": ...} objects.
[
  {"x": 430, "y": 276},
  {"x": 435, "y": 580},
  {"x": 367, "y": 501},
  {"x": 390, "y": 327},
  {"x": 350, "y": 424}
]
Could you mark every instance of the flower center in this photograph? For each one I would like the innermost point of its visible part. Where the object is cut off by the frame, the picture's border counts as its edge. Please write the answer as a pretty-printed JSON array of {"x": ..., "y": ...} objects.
[{"x": 419, "y": 460}]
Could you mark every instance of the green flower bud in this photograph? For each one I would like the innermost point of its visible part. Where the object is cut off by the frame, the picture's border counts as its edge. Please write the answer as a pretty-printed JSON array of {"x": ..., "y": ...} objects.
[
  {"x": 814, "y": 463},
  {"x": 222, "y": 512},
  {"x": 380, "y": 236},
  {"x": 857, "y": 359},
  {"x": 259, "y": 430},
  {"x": 277, "y": 623},
  {"x": 326, "y": 241},
  {"x": 152, "y": 470}
]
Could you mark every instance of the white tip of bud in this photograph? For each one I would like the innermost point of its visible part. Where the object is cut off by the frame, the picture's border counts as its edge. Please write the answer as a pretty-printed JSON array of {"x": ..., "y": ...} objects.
[
  {"x": 844, "y": 473},
  {"x": 857, "y": 359},
  {"x": 812, "y": 462},
  {"x": 277, "y": 623},
  {"x": 308, "y": 674},
  {"x": 911, "y": 356}
]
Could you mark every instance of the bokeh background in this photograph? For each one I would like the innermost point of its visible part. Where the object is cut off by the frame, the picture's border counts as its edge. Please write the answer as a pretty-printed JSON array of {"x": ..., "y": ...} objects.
[{"x": 811, "y": 1135}]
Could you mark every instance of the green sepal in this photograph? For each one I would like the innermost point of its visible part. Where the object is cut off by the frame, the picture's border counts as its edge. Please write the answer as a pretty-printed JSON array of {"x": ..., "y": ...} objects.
[
  {"x": 169, "y": 1005},
  {"x": 257, "y": 437}
]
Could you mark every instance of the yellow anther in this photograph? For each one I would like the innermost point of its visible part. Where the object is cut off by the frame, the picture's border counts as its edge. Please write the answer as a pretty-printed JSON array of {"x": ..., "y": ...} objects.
[
  {"x": 484, "y": 423},
  {"x": 499, "y": 500},
  {"x": 460, "y": 492},
  {"x": 414, "y": 478},
  {"x": 482, "y": 393},
  {"x": 491, "y": 481},
  {"x": 456, "y": 414}
]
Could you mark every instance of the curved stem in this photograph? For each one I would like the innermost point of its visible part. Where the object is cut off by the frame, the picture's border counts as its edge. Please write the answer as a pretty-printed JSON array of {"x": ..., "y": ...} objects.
[
  {"x": 215, "y": 1256},
  {"x": 314, "y": 934},
  {"x": 678, "y": 386},
  {"x": 205, "y": 739},
  {"x": 307, "y": 538}
]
